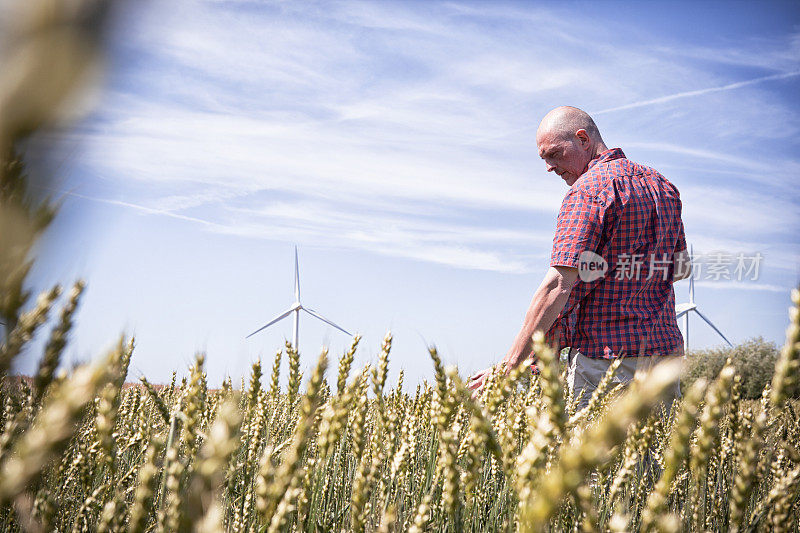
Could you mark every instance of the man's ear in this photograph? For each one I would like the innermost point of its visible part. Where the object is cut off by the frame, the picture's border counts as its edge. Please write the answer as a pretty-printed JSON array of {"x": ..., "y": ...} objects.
[{"x": 583, "y": 137}]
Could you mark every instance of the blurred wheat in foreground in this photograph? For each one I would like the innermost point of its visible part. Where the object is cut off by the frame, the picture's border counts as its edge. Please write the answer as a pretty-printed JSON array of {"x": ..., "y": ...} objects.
[{"x": 85, "y": 453}]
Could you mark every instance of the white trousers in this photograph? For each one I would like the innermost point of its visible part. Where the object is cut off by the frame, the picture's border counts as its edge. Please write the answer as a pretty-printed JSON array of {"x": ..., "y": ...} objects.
[{"x": 585, "y": 373}]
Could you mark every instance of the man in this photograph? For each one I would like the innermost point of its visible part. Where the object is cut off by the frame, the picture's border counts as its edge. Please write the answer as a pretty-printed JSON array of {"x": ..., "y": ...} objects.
[{"x": 627, "y": 214}]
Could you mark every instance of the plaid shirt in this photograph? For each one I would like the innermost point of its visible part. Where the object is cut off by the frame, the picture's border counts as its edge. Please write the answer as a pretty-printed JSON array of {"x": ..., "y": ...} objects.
[{"x": 631, "y": 216}]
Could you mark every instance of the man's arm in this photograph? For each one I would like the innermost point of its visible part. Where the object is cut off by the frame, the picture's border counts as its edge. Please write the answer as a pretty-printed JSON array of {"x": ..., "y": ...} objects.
[
  {"x": 548, "y": 301},
  {"x": 681, "y": 265}
]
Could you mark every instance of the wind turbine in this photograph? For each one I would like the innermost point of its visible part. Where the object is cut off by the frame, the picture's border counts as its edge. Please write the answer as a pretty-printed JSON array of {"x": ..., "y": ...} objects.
[
  {"x": 296, "y": 308},
  {"x": 683, "y": 310}
]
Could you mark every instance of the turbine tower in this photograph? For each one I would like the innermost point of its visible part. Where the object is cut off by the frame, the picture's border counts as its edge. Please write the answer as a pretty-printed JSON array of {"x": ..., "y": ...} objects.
[
  {"x": 296, "y": 308},
  {"x": 683, "y": 310}
]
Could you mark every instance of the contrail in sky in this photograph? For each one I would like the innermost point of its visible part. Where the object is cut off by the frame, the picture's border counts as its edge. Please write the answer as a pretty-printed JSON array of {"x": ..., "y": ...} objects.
[
  {"x": 699, "y": 92},
  {"x": 137, "y": 207}
]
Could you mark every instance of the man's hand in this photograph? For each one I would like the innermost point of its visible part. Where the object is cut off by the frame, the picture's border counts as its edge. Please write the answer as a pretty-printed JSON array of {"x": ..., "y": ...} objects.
[{"x": 478, "y": 380}]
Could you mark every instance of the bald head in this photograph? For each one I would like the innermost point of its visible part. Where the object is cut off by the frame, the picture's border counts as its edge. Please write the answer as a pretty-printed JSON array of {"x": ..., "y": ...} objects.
[
  {"x": 568, "y": 139},
  {"x": 565, "y": 121}
]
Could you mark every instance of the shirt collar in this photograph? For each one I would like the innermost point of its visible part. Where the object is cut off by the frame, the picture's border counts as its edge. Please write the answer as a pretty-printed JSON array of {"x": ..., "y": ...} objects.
[{"x": 604, "y": 157}]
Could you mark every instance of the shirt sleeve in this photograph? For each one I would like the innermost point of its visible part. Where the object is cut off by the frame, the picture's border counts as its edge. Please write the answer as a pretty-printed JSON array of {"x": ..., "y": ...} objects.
[{"x": 579, "y": 227}]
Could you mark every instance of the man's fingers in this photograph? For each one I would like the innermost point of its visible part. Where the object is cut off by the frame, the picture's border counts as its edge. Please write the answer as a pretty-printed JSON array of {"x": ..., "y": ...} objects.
[
  {"x": 476, "y": 382},
  {"x": 480, "y": 374}
]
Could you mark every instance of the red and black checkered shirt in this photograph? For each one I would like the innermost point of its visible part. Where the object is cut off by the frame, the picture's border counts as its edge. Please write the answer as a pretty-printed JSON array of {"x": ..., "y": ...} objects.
[{"x": 631, "y": 216}]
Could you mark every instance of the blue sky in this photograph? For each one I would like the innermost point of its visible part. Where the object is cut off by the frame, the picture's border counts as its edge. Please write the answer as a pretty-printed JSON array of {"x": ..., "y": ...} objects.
[{"x": 393, "y": 142}]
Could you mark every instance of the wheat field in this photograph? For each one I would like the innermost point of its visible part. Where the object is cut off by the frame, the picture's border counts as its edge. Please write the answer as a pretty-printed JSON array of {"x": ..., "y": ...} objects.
[{"x": 82, "y": 452}]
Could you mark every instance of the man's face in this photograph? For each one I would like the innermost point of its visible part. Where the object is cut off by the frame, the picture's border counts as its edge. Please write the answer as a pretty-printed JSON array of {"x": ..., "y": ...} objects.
[{"x": 566, "y": 157}]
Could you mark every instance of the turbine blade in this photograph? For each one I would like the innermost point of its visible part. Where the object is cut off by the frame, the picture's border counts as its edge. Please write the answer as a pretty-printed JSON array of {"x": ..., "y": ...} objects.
[
  {"x": 682, "y": 309},
  {"x": 714, "y": 327},
  {"x": 268, "y": 324},
  {"x": 317, "y": 315},
  {"x": 296, "y": 277}
]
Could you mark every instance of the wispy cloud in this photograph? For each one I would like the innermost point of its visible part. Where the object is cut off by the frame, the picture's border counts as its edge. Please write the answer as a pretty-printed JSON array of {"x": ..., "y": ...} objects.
[
  {"x": 778, "y": 52},
  {"x": 742, "y": 286},
  {"x": 698, "y": 92},
  {"x": 405, "y": 130},
  {"x": 780, "y": 258},
  {"x": 427, "y": 240},
  {"x": 716, "y": 211},
  {"x": 139, "y": 208}
]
